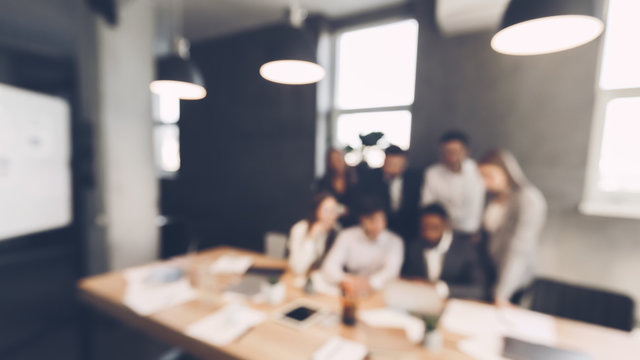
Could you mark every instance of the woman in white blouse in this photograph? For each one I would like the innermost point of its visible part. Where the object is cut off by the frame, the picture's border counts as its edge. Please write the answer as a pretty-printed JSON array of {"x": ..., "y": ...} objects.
[
  {"x": 514, "y": 219},
  {"x": 310, "y": 239}
]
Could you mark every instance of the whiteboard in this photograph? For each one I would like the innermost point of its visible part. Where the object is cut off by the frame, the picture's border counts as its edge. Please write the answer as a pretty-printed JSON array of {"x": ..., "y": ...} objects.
[{"x": 35, "y": 176}]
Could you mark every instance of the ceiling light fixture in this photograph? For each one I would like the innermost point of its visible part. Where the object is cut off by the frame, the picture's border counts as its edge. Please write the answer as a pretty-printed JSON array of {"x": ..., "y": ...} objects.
[
  {"x": 293, "y": 60},
  {"x": 176, "y": 75},
  {"x": 547, "y": 26}
]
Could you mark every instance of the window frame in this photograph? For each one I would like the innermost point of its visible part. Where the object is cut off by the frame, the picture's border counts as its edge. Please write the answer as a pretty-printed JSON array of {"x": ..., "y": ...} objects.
[
  {"x": 335, "y": 112},
  {"x": 596, "y": 201}
]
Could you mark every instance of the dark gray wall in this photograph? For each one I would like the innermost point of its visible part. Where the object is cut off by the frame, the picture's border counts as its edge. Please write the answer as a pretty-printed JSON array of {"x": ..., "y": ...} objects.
[
  {"x": 539, "y": 107},
  {"x": 38, "y": 271},
  {"x": 247, "y": 148}
]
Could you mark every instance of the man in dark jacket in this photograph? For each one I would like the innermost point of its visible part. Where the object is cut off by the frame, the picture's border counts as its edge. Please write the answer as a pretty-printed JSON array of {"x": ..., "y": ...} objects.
[
  {"x": 447, "y": 259},
  {"x": 399, "y": 190}
]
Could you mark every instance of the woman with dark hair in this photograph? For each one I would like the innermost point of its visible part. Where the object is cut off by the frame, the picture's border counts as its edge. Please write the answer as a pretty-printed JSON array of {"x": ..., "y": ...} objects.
[
  {"x": 339, "y": 180},
  {"x": 311, "y": 238},
  {"x": 513, "y": 220}
]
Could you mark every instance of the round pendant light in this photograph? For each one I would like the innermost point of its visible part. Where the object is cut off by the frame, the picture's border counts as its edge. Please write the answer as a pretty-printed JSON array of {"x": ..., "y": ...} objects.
[
  {"x": 178, "y": 77},
  {"x": 293, "y": 60},
  {"x": 534, "y": 27}
]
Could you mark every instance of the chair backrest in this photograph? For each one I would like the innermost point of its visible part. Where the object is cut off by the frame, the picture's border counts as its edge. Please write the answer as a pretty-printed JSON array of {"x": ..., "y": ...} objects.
[
  {"x": 275, "y": 244},
  {"x": 581, "y": 303}
]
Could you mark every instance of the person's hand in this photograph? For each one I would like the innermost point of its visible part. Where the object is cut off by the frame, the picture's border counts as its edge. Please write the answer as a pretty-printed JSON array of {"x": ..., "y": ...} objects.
[
  {"x": 358, "y": 284},
  {"x": 503, "y": 303}
]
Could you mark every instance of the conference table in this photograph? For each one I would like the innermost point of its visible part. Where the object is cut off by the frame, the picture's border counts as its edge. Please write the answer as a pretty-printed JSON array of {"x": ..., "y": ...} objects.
[{"x": 271, "y": 340}]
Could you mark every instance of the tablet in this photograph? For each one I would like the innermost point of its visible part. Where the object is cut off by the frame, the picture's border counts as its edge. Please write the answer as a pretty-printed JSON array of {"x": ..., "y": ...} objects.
[{"x": 298, "y": 314}]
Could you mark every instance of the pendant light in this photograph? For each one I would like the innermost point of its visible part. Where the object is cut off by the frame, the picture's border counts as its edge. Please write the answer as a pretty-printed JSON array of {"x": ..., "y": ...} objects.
[
  {"x": 533, "y": 27},
  {"x": 176, "y": 75},
  {"x": 293, "y": 60}
]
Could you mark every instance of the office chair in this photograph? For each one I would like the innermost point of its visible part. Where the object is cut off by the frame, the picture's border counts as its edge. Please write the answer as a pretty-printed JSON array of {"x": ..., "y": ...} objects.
[
  {"x": 275, "y": 245},
  {"x": 581, "y": 303}
]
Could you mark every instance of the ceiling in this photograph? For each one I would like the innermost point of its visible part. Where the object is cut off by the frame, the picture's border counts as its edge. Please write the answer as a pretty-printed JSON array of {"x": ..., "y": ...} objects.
[
  {"x": 210, "y": 18},
  {"x": 48, "y": 26}
]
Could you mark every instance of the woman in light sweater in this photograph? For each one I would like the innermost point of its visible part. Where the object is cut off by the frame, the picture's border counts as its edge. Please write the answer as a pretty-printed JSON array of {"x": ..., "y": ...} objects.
[
  {"x": 310, "y": 239},
  {"x": 514, "y": 219}
]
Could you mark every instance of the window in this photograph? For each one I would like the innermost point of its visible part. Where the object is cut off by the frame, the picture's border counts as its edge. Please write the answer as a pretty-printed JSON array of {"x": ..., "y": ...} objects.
[
  {"x": 613, "y": 174},
  {"x": 166, "y": 134},
  {"x": 375, "y": 69}
]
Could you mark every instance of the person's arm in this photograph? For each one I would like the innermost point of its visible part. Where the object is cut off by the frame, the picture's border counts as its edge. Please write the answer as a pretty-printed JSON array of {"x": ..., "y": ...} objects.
[
  {"x": 333, "y": 265},
  {"x": 522, "y": 246},
  {"x": 301, "y": 248},
  {"x": 392, "y": 265},
  {"x": 474, "y": 203},
  {"x": 427, "y": 194},
  {"x": 413, "y": 264}
]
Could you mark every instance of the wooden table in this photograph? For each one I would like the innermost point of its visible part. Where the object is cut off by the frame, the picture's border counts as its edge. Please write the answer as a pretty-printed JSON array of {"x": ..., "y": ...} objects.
[{"x": 270, "y": 340}]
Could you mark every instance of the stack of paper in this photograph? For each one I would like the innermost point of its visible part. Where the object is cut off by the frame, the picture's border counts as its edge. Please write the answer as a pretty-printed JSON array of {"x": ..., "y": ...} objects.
[
  {"x": 337, "y": 348},
  {"x": 487, "y": 325},
  {"x": 231, "y": 264},
  {"x": 387, "y": 318},
  {"x": 146, "y": 298},
  {"x": 226, "y": 325},
  {"x": 471, "y": 319}
]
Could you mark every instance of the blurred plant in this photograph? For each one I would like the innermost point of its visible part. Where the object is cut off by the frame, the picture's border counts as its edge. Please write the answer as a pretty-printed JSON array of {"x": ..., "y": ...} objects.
[{"x": 371, "y": 151}]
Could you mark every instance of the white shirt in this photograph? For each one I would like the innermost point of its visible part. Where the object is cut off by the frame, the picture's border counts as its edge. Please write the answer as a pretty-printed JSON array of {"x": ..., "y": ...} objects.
[
  {"x": 434, "y": 257},
  {"x": 462, "y": 193},
  {"x": 494, "y": 216},
  {"x": 304, "y": 250},
  {"x": 395, "y": 193},
  {"x": 379, "y": 260}
]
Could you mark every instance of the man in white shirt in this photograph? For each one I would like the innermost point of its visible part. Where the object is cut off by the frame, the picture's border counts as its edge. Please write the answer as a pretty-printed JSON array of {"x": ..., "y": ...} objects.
[
  {"x": 456, "y": 183},
  {"x": 448, "y": 260},
  {"x": 365, "y": 257}
]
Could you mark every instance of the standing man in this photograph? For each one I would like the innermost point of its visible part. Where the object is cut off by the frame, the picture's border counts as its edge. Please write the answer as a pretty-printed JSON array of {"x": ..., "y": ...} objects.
[
  {"x": 456, "y": 183},
  {"x": 365, "y": 256},
  {"x": 399, "y": 190}
]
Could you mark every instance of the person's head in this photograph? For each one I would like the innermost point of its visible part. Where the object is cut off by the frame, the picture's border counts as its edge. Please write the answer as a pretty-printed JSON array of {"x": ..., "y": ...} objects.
[
  {"x": 373, "y": 219},
  {"x": 501, "y": 172},
  {"x": 335, "y": 162},
  {"x": 324, "y": 209},
  {"x": 454, "y": 149},
  {"x": 395, "y": 161},
  {"x": 434, "y": 221}
]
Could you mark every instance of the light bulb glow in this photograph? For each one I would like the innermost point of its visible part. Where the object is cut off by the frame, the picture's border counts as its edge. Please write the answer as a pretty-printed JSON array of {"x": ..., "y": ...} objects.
[
  {"x": 292, "y": 72},
  {"x": 547, "y": 35},
  {"x": 180, "y": 89}
]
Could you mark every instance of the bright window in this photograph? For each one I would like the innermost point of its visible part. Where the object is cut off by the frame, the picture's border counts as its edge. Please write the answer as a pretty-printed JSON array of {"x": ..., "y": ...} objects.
[
  {"x": 166, "y": 135},
  {"x": 613, "y": 175},
  {"x": 618, "y": 167},
  {"x": 621, "y": 55},
  {"x": 374, "y": 86}
]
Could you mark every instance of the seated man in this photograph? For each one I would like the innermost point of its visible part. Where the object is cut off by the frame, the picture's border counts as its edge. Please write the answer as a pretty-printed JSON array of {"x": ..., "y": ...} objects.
[
  {"x": 445, "y": 258},
  {"x": 365, "y": 256}
]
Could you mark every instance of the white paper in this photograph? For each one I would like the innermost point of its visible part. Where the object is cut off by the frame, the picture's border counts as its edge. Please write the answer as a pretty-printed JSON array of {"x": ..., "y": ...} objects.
[
  {"x": 226, "y": 325},
  {"x": 145, "y": 298},
  {"x": 337, "y": 348},
  {"x": 529, "y": 326},
  {"x": 386, "y": 318},
  {"x": 322, "y": 286},
  {"x": 473, "y": 319},
  {"x": 485, "y": 347},
  {"x": 231, "y": 264}
]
